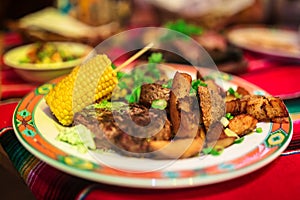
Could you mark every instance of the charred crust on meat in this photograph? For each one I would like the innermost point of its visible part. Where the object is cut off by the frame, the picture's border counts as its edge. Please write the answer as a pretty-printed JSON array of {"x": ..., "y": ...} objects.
[{"x": 264, "y": 109}]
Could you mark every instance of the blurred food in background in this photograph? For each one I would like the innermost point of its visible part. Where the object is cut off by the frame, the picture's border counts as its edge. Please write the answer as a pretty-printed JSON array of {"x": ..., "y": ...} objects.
[
  {"x": 282, "y": 44},
  {"x": 40, "y": 62},
  {"x": 89, "y": 21},
  {"x": 99, "y": 12},
  {"x": 212, "y": 14},
  {"x": 227, "y": 57},
  {"x": 50, "y": 24},
  {"x": 46, "y": 52}
]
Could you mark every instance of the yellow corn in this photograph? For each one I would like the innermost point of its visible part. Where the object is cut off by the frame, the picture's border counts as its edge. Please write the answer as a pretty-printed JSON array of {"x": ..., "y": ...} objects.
[{"x": 86, "y": 84}]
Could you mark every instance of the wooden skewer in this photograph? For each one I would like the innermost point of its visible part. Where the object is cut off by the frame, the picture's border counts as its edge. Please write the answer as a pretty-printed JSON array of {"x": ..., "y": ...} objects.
[{"x": 134, "y": 57}]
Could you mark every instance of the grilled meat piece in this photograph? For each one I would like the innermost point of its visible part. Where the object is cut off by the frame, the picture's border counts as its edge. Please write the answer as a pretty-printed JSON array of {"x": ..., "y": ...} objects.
[
  {"x": 151, "y": 92},
  {"x": 264, "y": 109},
  {"x": 180, "y": 89},
  {"x": 184, "y": 109},
  {"x": 242, "y": 124},
  {"x": 189, "y": 115},
  {"x": 237, "y": 106},
  {"x": 185, "y": 113},
  {"x": 212, "y": 106},
  {"x": 212, "y": 85},
  {"x": 216, "y": 132},
  {"x": 125, "y": 130},
  {"x": 181, "y": 85}
]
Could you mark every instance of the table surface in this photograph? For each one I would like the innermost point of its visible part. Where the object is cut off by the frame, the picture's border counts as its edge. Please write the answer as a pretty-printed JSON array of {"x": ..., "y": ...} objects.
[{"x": 277, "y": 180}]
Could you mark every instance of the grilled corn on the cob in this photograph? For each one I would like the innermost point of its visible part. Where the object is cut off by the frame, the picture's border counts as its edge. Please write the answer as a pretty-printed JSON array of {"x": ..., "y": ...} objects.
[{"x": 86, "y": 84}]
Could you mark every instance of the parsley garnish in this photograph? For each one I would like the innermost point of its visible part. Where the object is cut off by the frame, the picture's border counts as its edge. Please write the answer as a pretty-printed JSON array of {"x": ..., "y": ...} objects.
[
  {"x": 239, "y": 140},
  {"x": 196, "y": 84},
  {"x": 160, "y": 104},
  {"x": 184, "y": 27},
  {"x": 212, "y": 151},
  {"x": 156, "y": 58}
]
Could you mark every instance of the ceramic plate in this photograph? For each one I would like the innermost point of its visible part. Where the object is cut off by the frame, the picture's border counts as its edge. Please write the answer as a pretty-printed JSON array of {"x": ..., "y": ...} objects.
[
  {"x": 280, "y": 43},
  {"x": 44, "y": 72},
  {"x": 37, "y": 129},
  {"x": 14, "y": 56}
]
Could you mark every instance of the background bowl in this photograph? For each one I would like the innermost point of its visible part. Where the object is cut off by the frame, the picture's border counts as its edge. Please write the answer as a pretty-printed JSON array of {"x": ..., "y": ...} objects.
[{"x": 43, "y": 72}]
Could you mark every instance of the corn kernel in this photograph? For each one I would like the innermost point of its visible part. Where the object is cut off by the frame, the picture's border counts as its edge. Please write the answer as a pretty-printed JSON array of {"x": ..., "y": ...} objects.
[{"x": 86, "y": 84}]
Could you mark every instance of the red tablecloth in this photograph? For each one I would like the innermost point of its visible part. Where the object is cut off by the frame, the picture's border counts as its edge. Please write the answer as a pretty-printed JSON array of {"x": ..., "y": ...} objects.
[{"x": 278, "y": 78}]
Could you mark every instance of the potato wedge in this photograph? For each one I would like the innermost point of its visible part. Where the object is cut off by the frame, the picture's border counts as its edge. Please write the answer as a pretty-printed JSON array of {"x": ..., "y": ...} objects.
[
  {"x": 222, "y": 143},
  {"x": 182, "y": 148}
]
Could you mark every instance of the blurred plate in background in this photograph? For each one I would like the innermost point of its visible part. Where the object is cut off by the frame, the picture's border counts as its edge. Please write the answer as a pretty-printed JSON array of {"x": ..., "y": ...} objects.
[
  {"x": 274, "y": 42},
  {"x": 43, "y": 72}
]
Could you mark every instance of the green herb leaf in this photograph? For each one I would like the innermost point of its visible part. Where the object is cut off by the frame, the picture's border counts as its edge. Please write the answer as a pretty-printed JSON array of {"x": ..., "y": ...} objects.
[
  {"x": 113, "y": 66},
  {"x": 229, "y": 116},
  {"x": 155, "y": 58},
  {"x": 195, "y": 85},
  {"x": 25, "y": 60},
  {"x": 207, "y": 150},
  {"x": 231, "y": 91},
  {"x": 115, "y": 105},
  {"x": 239, "y": 140},
  {"x": 184, "y": 27},
  {"x": 160, "y": 104},
  {"x": 119, "y": 74},
  {"x": 122, "y": 85},
  {"x": 259, "y": 130},
  {"x": 103, "y": 104},
  {"x": 134, "y": 96},
  {"x": 212, "y": 151},
  {"x": 168, "y": 84},
  {"x": 237, "y": 95}
]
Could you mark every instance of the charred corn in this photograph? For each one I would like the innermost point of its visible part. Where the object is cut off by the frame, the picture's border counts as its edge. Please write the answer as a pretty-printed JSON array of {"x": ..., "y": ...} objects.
[{"x": 86, "y": 84}]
